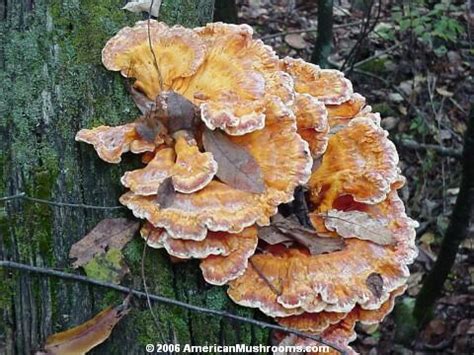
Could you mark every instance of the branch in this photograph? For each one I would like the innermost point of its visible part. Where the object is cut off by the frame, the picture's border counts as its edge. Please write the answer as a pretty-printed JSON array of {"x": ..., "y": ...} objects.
[
  {"x": 307, "y": 30},
  {"x": 63, "y": 275},
  {"x": 24, "y": 196},
  {"x": 413, "y": 145}
]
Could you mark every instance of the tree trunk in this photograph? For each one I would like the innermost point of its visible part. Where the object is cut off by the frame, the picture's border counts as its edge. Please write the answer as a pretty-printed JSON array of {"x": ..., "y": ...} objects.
[
  {"x": 323, "y": 46},
  {"x": 226, "y": 11},
  {"x": 455, "y": 233},
  {"x": 53, "y": 85}
]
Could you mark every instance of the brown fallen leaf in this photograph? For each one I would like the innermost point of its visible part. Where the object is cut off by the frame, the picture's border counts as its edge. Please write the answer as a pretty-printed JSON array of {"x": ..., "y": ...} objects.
[
  {"x": 357, "y": 224},
  {"x": 109, "y": 233},
  {"x": 289, "y": 229},
  {"x": 375, "y": 284},
  {"x": 144, "y": 104},
  {"x": 166, "y": 193},
  {"x": 84, "y": 337},
  {"x": 236, "y": 167},
  {"x": 272, "y": 235},
  {"x": 296, "y": 41},
  {"x": 178, "y": 112},
  {"x": 150, "y": 128}
]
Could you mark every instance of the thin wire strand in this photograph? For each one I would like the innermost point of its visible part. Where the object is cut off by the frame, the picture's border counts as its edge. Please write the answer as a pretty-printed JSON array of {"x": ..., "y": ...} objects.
[
  {"x": 24, "y": 196},
  {"x": 51, "y": 272}
]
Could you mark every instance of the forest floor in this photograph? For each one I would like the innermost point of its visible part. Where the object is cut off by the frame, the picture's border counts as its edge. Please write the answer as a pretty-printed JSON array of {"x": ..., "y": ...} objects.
[{"x": 412, "y": 65}]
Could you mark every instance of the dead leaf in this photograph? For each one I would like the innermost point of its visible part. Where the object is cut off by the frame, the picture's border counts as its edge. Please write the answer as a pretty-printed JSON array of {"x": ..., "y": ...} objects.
[
  {"x": 294, "y": 231},
  {"x": 166, "y": 193},
  {"x": 149, "y": 127},
  {"x": 272, "y": 235},
  {"x": 357, "y": 224},
  {"x": 237, "y": 168},
  {"x": 178, "y": 112},
  {"x": 444, "y": 92},
  {"x": 109, "y": 233},
  {"x": 296, "y": 40},
  {"x": 144, "y": 6},
  {"x": 375, "y": 284},
  {"x": 84, "y": 337},
  {"x": 144, "y": 104},
  {"x": 110, "y": 267}
]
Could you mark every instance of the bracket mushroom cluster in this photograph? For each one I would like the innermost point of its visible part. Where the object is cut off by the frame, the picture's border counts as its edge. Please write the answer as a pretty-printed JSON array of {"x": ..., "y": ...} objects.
[{"x": 228, "y": 131}]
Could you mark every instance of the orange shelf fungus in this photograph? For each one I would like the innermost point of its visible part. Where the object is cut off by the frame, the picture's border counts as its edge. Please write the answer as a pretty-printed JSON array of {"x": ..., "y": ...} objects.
[
  {"x": 111, "y": 142},
  {"x": 224, "y": 255},
  {"x": 228, "y": 132}
]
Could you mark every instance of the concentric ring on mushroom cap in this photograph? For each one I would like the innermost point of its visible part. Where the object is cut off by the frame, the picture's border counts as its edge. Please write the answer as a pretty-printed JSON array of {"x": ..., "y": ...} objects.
[
  {"x": 285, "y": 162},
  {"x": 332, "y": 282},
  {"x": 224, "y": 255}
]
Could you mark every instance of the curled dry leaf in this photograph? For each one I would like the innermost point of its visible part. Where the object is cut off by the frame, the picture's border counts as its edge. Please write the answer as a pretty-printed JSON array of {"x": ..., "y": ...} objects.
[
  {"x": 81, "y": 339},
  {"x": 357, "y": 224},
  {"x": 144, "y": 104},
  {"x": 166, "y": 193},
  {"x": 375, "y": 284},
  {"x": 291, "y": 228},
  {"x": 236, "y": 167},
  {"x": 109, "y": 233},
  {"x": 144, "y": 6}
]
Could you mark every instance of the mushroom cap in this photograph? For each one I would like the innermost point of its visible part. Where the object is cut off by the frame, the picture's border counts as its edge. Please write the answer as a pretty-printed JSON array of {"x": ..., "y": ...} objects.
[
  {"x": 193, "y": 170},
  {"x": 333, "y": 282},
  {"x": 224, "y": 255},
  {"x": 147, "y": 180},
  {"x": 111, "y": 142},
  {"x": 327, "y": 85},
  {"x": 311, "y": 118},
  {"x": 179, "y": 52},
  {"x": 285, "y": 163},
  {"x": 360, "y": 161},
  {"x": 344, "y": 112},
  {"x": 218, "y": 67},
  {"x": 335, "y": 328}
]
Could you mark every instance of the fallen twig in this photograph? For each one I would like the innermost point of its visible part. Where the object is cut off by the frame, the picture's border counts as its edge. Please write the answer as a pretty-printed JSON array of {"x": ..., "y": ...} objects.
[{"x": 51, "y": 272}]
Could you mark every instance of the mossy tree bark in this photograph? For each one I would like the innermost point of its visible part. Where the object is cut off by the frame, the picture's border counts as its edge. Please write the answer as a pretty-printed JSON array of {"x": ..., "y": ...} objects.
[{"x": 53, "y": 84}]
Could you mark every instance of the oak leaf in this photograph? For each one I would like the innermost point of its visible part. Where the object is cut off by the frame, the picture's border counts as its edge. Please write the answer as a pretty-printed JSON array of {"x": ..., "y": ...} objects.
[
  {"x": 108, "y": 233},
  {"x": 357, "y": 224},
  {"x": 236, "y": 167},
  {"x": 284, "y": 230}
]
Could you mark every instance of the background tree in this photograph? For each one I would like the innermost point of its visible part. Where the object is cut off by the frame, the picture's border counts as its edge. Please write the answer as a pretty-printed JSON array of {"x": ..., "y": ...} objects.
[
  {"x": 456, "y": 232},
  {"x": 54, "y": 84},
  {"x": 322, "y": 48},
  {"x": 226, "y": 11}
]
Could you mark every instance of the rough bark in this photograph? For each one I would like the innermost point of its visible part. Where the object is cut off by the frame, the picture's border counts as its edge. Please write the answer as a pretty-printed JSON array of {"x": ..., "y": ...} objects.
[
  {"x": 53, "y": 84},
  {"x": 322, "y": 48},
  {"x": 456, "y": 232}
]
